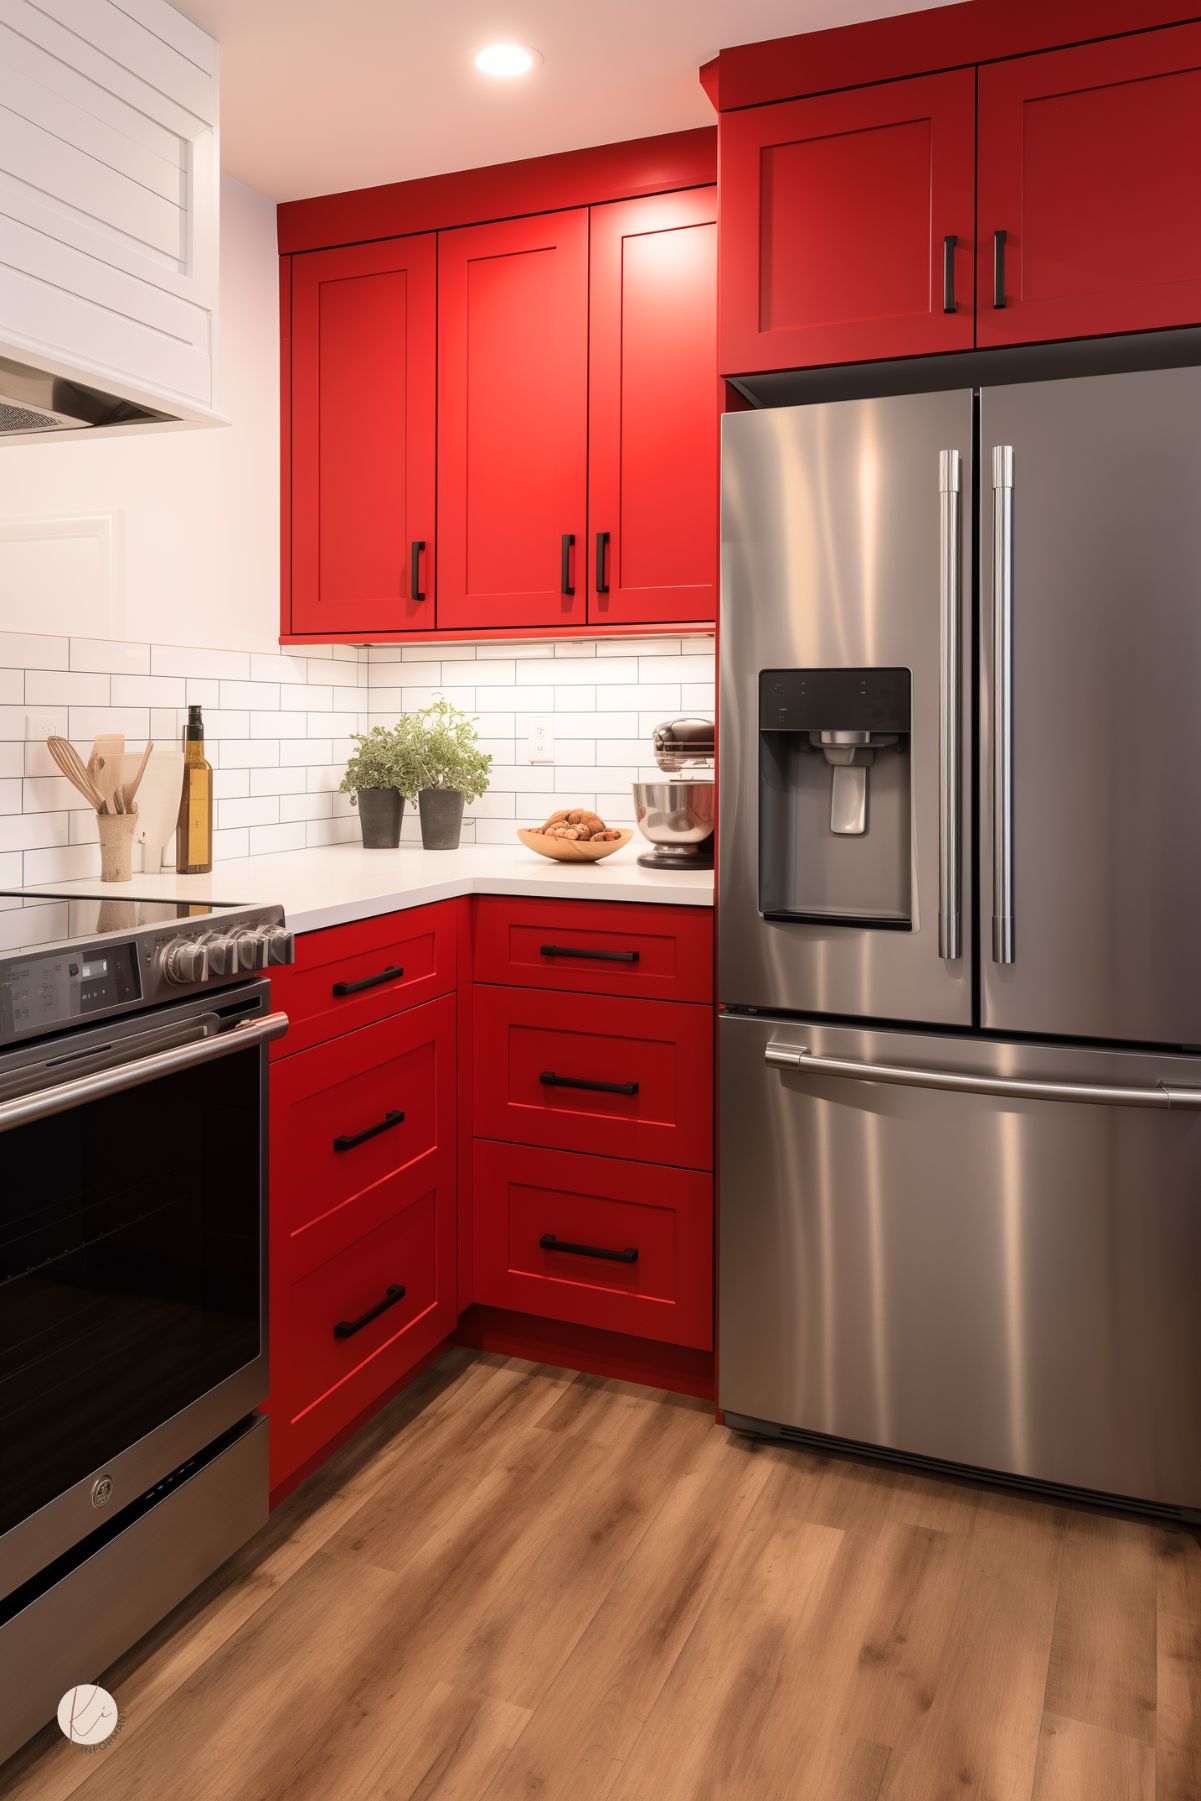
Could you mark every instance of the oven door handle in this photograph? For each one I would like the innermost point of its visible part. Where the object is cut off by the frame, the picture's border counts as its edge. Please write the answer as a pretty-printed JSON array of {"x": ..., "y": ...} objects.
[
  {"x": 801, "y": 1060},
  {"x": 25, "y": 1109}
]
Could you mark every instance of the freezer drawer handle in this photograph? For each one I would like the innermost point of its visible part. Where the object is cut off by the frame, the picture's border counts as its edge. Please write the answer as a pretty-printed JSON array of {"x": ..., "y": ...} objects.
[
  {"x": 549, "y": 1079},
  {"x": 564, "y": 950},
  {"x": 393, "y": 973},
  {"x": 1004, "y": 948},
  {"x": 799, "y": 1058},
  {"x": 349, "y": 1141},
  {"x": 548, "y": 1242},
  {"x": 346, "y": 1328},
  {"x": 950, "y": 467}
]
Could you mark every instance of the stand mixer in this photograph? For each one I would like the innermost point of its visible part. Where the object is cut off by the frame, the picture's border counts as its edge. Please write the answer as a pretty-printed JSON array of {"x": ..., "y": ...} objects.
[{"x": 677, "y": 816}]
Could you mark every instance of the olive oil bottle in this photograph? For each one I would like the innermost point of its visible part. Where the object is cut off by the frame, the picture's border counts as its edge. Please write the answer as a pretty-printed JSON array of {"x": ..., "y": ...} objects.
[{"x": 194, "y": 833}]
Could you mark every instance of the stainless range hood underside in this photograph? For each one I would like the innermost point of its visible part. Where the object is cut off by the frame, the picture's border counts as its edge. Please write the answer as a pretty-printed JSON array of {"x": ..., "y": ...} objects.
[{"x": 33, "y": 401}]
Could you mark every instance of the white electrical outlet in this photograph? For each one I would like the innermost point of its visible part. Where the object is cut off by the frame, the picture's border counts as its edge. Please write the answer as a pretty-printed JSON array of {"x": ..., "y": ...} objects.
[
  {"x": 541, "y": 746},
  {"x": 41, "y": 725}
]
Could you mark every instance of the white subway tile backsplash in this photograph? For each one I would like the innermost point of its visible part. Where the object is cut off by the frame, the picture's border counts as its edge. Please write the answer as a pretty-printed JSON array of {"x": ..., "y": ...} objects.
[
  {"x": 109, "y": 656},
  {"x": 148, "y": 690},
  {"x": 278, "y": 728}
]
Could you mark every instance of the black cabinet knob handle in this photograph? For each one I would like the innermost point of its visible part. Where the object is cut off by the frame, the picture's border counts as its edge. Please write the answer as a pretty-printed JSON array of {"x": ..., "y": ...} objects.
[
  {"x": 998, "y": 268},
  {"x": 602, "y": 545},
  {"x": 416, "y": 592},
  {"x": 566, "y": 546},
  {"x": 548, "y": 1242},
  {"x": 949, "y": 245},
  {"x": 340, "y": 990},
  {"x": 346, "y": 1328},
  {"x": 349, "y": 1140},
  {"x": 564, "y": 950},
  {"x": 549, "y": 1079}
]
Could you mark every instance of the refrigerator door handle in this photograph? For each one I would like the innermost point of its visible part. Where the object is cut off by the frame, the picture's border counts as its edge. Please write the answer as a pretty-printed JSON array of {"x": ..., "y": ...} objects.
[
  {"x": 1003, "y": 948},
  {"x": 950, "y": 470},
  {"x": 797, "y": 1057}
]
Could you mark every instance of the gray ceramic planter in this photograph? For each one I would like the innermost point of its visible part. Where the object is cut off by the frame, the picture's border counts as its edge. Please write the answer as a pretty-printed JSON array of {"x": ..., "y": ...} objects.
[
  {"x": 380, "y": 813},
  {"x": 441, "y": 812}
]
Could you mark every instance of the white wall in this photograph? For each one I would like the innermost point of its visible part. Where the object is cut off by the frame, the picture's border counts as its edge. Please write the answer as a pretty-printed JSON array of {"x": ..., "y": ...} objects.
[{"x": 180, "y": 540}]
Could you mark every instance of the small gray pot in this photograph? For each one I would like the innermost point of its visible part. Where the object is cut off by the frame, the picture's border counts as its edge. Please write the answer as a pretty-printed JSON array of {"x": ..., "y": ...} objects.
[
  {"x": 441, "y": 812},
  {"x": 380, "y": 813}
]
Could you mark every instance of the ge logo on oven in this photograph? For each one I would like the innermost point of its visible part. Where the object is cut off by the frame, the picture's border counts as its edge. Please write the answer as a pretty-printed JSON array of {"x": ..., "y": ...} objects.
[{"x": 102, "y": 1491}]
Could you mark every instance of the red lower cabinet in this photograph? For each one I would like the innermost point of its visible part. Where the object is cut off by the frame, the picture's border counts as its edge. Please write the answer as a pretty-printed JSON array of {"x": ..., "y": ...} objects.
[
  {"x": 363, "y": 1222},
  {"x": 621, "y": 1077},
  {"x": 596, "y": 1241}
]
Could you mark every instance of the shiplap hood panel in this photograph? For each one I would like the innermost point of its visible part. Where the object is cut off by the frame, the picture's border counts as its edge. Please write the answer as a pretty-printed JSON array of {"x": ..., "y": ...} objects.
[{"x": 108, "y": 216}]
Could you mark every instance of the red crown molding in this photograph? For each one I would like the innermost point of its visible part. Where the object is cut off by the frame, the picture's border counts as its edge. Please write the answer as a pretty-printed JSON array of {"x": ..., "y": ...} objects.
[
  {"x": 540, "y": 184},
  {"x": 946, "y": 37}
]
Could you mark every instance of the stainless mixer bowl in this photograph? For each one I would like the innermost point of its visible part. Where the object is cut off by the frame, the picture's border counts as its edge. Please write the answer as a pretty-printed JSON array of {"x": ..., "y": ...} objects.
[{"x": 674, "y": 813}]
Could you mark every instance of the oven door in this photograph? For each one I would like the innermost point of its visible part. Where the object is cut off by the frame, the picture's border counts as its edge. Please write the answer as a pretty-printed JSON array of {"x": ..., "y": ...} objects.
[{"x": 132, "y": 1260}]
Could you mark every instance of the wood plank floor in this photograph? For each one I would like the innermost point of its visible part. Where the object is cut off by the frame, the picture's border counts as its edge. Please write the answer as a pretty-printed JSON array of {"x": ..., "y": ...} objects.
[{"x": 519, "y": 1582}]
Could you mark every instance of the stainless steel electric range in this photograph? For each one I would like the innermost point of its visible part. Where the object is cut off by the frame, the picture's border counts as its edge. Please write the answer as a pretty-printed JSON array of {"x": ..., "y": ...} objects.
[{"x": 133, "y": 1269}]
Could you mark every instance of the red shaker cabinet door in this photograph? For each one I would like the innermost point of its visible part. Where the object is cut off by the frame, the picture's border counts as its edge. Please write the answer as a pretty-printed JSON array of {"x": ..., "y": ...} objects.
[
  {"x": 597, "y": 1241},
  {"x": 513, "y": 422},
  {"x": 836, "y": 213},
  {"x": 364, "y": 344},
  {"x": 1090, "y": 164},
  {"x": 653, "y": 410}
]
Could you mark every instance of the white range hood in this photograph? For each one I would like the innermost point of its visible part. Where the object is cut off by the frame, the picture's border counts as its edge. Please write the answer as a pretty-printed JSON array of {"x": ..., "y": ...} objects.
[{"x": 108, "y": 218}]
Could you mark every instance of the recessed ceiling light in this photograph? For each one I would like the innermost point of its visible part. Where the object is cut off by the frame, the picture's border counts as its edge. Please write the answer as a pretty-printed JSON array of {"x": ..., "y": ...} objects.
[{"x": 506, "y": 60}]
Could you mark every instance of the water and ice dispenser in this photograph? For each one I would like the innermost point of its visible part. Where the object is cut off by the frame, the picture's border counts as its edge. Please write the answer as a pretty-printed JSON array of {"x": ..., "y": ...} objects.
[{"x": 834, "y": 796}]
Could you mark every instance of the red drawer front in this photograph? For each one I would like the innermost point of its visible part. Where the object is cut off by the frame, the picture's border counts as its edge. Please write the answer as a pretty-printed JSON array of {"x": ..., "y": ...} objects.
[
  {"x": 322, "y": 1379},
  {"x": 523, "y": 1197},
  {"x": 663, "y": 1053},
  {"x": 350, "y": 1117},
  {"x": 596, "y": 947},
  {"x": 352, "y": 975}
]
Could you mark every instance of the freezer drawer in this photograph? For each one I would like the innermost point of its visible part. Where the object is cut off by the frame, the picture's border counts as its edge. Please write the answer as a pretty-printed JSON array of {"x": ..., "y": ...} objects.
[{"x": 1001, "y": 1280}]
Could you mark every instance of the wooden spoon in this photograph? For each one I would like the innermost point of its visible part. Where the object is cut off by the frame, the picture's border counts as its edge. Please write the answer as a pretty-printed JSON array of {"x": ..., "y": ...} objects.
[
  {"x": 129, "y": 789},
  {"x": 72, "y": 766}
]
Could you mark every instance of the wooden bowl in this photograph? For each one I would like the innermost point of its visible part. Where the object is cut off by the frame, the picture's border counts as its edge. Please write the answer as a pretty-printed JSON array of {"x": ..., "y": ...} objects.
[{"x": 571, "y": 850}]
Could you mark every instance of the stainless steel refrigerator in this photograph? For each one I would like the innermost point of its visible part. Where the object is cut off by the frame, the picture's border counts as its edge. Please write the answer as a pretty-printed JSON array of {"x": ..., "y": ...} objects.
[{"x": 959, "y": 868}]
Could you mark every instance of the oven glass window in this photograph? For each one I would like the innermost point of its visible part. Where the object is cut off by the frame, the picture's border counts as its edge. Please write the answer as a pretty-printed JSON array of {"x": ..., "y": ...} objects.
[{"x": 129, "y": 1270}]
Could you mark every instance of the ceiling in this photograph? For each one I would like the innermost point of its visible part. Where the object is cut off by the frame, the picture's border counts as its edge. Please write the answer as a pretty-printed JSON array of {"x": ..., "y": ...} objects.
[{"x": 320, "y": 95}]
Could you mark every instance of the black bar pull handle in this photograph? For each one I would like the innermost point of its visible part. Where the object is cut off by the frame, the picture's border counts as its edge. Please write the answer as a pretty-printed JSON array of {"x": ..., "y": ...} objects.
[
  {"x": 416, "y": 592},
  {"x": 346, "y": 1328},
  {"x": 549, "y": 1079},
  {"x": 998, "y": 268},
  {"x": 949, "y": 244},
  {"x": 567, "y": 950},
  {"x": 566, "y": 546},
  {"x": 393, "y": 973},
  {"x": 349, "y": 1140},
  {"x": 548, "y": 1242},
  {"x": 602, "y": 545}
]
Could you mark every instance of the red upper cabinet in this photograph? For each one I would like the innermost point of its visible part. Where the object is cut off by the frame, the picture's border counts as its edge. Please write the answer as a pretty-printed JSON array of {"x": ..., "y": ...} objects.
[
  {"x": 513, "y": 421},
  {"x": 847, "y": 226},
  {"x": 1090, "y": 165},
  {"x": 653, "y": 410},
  {"x": 363, "y": 382}
]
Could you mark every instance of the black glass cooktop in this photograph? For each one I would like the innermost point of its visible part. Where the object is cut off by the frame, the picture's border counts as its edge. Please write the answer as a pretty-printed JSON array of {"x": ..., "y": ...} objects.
[{"x": 32, "y": 918}]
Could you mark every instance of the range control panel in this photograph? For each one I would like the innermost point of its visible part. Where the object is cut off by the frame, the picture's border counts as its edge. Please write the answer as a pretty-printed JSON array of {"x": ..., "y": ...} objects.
[{"x": 46, "y": 992}]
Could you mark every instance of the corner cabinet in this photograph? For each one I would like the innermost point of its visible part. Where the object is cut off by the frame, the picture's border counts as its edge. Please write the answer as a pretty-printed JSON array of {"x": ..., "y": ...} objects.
[
  {"x": 546, "y": 385},
  {"x": 363, "y": 348}
]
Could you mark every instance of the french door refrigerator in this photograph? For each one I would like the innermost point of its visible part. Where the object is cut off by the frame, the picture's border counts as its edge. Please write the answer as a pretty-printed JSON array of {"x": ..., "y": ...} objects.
[{"x": 959, "y": 868}]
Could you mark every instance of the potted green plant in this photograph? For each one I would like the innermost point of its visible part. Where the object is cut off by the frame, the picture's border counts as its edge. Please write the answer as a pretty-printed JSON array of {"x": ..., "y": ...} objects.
[
  {"x": 450, "y": 771},
  {"x": 380, "y": 775}
]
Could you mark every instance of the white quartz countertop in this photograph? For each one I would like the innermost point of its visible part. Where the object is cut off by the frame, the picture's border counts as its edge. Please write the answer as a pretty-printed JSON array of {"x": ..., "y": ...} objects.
[{"x": 333, "y": 885}]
